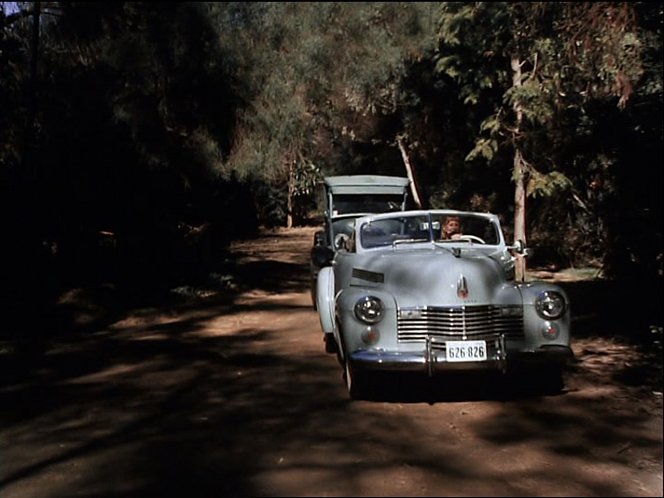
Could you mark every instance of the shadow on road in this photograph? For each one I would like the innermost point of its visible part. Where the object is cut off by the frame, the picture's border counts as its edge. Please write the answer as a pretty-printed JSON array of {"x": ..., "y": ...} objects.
[
  {"x": 455, "y": 387},
  {"x": 175, "y": 406}
]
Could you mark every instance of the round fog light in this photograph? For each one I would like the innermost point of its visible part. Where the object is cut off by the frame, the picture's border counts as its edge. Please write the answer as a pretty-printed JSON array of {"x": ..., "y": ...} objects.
[
  {"x": 370, "y": 336},
  {"x": 550, "y": 331}
]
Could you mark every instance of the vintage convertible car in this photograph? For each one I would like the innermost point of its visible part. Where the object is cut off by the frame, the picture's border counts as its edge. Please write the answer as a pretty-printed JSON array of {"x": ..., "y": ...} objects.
[
  {"x": 348, "y": 197},
  {"x": 400, "y": 297}
]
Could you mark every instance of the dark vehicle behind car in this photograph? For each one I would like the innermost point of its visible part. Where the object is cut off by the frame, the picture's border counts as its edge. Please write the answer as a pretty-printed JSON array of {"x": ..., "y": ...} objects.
[{"x": 348, "y": 197}]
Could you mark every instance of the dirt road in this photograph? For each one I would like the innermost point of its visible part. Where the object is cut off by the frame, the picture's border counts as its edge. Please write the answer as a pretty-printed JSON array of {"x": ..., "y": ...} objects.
[{"x": 232, "y": 394}]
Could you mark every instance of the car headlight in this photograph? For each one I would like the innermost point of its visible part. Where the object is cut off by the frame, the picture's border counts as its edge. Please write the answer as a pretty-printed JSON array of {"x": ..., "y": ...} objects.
[
  {"x": 369, "y": 309},
  {"x": 550, "y": 305}
]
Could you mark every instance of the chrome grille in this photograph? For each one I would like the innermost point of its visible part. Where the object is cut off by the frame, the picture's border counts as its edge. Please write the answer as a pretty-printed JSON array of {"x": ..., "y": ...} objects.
[{"x": 459, "y": 323}]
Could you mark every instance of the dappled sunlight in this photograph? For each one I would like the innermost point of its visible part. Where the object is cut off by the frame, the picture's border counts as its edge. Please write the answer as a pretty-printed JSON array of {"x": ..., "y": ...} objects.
[{"x": 237, "y": 397}]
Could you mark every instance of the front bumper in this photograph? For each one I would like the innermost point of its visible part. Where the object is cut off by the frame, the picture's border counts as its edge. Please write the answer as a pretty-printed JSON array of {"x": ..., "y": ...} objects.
[{"x": 431, "y": 360}]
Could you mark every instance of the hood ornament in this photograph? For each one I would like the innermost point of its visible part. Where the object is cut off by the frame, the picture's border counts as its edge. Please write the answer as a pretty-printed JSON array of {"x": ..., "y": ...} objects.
[{"x": 462, "y": 287}]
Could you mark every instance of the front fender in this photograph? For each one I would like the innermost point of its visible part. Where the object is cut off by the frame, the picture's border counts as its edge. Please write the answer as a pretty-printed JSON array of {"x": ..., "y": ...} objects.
[
  {"x": 325, "y": 299},
  {"x": 533, "y": 323},
  {"x": 351, "y": 328}
]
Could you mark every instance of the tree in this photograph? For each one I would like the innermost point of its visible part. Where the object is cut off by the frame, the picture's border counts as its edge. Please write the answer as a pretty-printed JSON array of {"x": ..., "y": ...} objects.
[
  {"x": 320, "y": 74},
  {"x": 157, "y": 116},
  {"x": 545, "y": 58}
]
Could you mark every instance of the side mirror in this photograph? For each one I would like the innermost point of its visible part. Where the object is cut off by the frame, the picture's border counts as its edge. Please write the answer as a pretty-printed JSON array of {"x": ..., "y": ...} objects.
[
  {"x": 322, "y": 256},
  {"x": 340, "y": 241},
  {"x": 519, "y": 247}
]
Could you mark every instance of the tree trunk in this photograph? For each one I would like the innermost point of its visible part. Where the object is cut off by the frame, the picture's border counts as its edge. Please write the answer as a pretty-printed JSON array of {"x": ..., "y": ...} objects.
[
  {"x": 409, "y": 172},
  {"x": 519, "y": 175},
  {"x": 519, "y": 213},
  {"x": 291, "y": 190}
]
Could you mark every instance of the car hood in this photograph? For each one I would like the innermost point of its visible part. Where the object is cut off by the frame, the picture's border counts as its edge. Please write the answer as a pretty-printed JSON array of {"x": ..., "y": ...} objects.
[{"x": 438, "y": 277}]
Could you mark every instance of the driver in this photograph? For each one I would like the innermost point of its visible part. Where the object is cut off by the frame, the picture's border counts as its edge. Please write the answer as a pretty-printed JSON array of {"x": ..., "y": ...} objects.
[{"x": 451, "y": 228}]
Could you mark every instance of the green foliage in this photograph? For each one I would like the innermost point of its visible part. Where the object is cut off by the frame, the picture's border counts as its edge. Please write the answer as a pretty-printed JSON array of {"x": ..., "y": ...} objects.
[
  {"x": 321, "y": 69},
  {"x": 538, "y": 34},
  {"x": 154, "y": 121},
  {"x": 484, "y": 148},
  {"x": 546, "y": 184},
  {"x": 574, "y": 58}
]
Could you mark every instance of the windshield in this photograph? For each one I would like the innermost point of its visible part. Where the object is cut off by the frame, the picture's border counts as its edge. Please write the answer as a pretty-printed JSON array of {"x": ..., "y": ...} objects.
[
  {"x": 440, "y": 228},
  {"x": 366, "y": 203}
]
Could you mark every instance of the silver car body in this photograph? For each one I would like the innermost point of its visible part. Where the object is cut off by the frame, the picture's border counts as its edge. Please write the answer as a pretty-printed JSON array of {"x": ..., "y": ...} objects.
[{"x": 433, "y": 305}]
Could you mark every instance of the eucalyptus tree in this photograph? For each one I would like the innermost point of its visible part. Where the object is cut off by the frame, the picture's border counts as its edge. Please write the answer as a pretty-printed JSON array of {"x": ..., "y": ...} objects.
[
  {"x": 546, "y": 59},
  {"x": 318, "y": 73}
]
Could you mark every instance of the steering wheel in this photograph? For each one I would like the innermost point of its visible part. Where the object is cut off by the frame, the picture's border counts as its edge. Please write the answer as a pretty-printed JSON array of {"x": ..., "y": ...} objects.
[{"x": 471, "y": 238}]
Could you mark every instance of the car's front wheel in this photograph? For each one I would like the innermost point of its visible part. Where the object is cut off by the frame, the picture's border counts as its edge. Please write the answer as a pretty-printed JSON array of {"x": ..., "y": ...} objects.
[
  {"x": 552, "y": 379},
  {"x": 330, "y": 343},
  {"x": 541, "y": 380},
  {"x": 356, "y": 381}
]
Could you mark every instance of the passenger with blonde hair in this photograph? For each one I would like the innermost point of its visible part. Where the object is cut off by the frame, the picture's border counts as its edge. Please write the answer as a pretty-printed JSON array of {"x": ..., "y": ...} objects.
[{"x": 451, "y": 228}]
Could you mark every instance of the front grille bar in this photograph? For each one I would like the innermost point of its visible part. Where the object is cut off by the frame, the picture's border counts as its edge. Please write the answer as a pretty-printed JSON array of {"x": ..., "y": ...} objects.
[{"x": 459, "y": 323}]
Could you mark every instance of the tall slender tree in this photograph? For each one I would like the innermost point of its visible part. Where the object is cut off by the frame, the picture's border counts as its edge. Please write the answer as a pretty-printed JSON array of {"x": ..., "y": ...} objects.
[{"x": 545, "y": 58}]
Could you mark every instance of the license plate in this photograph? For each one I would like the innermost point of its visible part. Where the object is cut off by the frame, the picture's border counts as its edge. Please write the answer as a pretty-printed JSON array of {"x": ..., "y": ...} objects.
[{"x": 466, "y": 350}]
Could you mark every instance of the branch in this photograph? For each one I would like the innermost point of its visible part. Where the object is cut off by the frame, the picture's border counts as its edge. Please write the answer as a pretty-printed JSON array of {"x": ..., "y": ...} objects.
[
  {"x": 409, "y": 171},
  {"x": 580, "y": 202}
]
